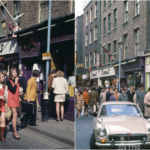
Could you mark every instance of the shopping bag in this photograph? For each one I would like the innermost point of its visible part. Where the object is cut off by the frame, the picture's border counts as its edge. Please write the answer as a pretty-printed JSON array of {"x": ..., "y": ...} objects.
[
  {"x": 82, "y": 112},
  {"x": 8, "y": 111},
  {"x": 28, "y": 107}
]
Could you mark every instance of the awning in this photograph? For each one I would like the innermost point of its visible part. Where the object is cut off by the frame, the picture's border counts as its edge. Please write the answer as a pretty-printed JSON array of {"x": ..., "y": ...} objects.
[{"x": 57, "y": 20}]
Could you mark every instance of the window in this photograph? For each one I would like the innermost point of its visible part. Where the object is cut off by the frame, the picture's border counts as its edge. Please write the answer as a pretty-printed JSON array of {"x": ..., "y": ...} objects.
[
  {"x": 104, "y": 4},
  {"x": 44, "y": 10},
  {"x": 3, "y": 18},
  {"x": 95, "y": 58},
  {"x": 96, "y": 10},
  {"x": 125, "y": 46},
  {"x": 104, "y": 25},
  {"x": 136, "y": 33},
  {"x": 115, "y": 48},
  {"x": 95, "y": 33},
  {"x": 109, "y": 49},
  {"x": 109, "y": 2},
  {"x": 109, "y": 22},
  {"x": 86, "y": 61},
  {"x": 103, "y": 57},
  {"x": 75, "y": 46},
  {"x": 137, "y": 7},
  {"x": 125, "y": 11},
  {"x": 90, "y": 36},
  {"x": 91, "y": 15},
  {"x": 115, "y": 18},
  {"x": 16, "y": 9},
  {"x": 86, "y": 40},
  {"x": 87, "y": 19},
  {"x": 90, "y": 58}
]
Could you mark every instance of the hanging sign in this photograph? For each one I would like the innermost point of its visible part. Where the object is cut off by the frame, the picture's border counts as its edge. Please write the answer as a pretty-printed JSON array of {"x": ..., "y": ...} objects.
[{"x": 46, "y": 56}]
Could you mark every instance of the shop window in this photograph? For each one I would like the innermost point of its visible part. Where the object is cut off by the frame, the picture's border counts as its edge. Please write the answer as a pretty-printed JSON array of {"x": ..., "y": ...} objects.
[
  {"x": 3, "y": 19},
  {"x": 16, "y": 9},
  {"x": 125, "y": 11},
  {"x": 44, "y": 11}
]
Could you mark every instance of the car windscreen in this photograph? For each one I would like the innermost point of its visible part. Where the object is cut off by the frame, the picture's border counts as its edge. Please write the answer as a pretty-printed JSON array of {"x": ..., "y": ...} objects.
[{"x": 120, "y": 110}]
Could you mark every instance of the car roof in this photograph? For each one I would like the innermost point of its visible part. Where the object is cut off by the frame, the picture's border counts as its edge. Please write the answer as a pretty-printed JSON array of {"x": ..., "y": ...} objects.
[{"x": 117, "y": 102}]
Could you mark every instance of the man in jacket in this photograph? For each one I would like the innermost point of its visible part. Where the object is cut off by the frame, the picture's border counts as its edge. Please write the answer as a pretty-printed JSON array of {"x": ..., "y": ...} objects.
[
  {"x": 123, "y": 96},
  {"x": 108, "y": 93},
  {"x": 140, "y": 94},
  {"x": 22, "y": 91},
  {"x": 52, "y": 107},
  {"x": 31, "y": 97},
  {"x": 147, "y": 104},
  {"x": 130, "y": 94},
  {"x": 93, "y": 100}
]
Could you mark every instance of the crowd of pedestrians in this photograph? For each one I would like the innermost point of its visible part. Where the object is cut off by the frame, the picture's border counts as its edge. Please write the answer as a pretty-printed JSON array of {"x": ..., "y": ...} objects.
[
  {"x": 95, "y": 96},
  {"x": 16, "y": 93}
]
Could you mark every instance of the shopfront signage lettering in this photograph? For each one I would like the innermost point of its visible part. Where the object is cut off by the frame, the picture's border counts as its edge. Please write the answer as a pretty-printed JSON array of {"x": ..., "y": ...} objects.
[
  {"x": 84, "y": 76},
  {"x": 62, "y": 38},
  {"x": 1, "y": 47},
  {"x": 133, "y": 66},
  {"x": 105, "y": 72},
  {"x": 93, "y": 74},
  {"x": 46, "y": 56}
]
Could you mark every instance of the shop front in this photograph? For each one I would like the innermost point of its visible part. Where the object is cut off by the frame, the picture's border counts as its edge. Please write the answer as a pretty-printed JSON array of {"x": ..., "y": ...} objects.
[
  {"x": 79, "y": 81},
  {"x": 9, "y": 56},
  {"x": 134, "y": 70},
  {"x": 94, "y": 77},
  {"x": 86, "y": 79},
  {"x": 107, "y": 77},
  {"x": 31, "y": 46},
  {"x": 147, "y": 69}
]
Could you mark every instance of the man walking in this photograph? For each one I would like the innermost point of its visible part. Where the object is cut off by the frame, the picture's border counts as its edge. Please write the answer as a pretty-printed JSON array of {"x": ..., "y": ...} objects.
[
  {"x": 123, "y": 96},
  {"x": 108, "y": 93},
  {"x": 140, "y": 94},
  {"x": 52, "y": 107},
  {"x": 22, "y": 90},
  {"x": 93, "y": 100},
  {"x": 130, "y": 94}
]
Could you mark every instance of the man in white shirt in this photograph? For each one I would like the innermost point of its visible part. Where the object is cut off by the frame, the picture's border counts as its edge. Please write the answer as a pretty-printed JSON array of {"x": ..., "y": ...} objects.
[{"x": 107, "y": 83}]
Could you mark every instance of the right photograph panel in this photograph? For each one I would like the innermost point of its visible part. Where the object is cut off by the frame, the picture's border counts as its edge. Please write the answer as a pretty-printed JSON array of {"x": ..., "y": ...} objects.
[{"x": 112, "y": 68}]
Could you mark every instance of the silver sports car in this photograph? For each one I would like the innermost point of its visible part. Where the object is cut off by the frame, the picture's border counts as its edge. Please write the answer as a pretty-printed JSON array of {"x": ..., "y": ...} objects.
[{"x": 120, "y": 125}]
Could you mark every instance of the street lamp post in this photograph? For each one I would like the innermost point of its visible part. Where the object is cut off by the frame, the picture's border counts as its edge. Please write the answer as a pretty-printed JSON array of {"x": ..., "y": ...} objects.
[
  {"x": 120, "y": 43},
  {"x": 46, "y": 95}
]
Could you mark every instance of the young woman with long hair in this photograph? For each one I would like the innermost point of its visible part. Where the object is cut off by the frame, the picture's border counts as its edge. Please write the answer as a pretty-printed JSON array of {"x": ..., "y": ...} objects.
[
  {"x": 2, "y": 107},
  {"x": 13, "y": 97}
]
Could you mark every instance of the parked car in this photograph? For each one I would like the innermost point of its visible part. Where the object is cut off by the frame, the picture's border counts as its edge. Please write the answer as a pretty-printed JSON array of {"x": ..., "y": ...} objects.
[{"x": 120, "y": 125}]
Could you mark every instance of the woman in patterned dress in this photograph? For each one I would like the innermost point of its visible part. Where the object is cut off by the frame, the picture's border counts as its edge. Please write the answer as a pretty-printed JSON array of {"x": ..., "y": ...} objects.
[
  {"x": 79, "y": 103},
  {"x": 2, "y": 107}
]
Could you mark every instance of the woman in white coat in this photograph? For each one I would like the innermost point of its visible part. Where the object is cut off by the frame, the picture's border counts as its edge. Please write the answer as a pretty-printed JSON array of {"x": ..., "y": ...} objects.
[{"x": 60, "y": 87}]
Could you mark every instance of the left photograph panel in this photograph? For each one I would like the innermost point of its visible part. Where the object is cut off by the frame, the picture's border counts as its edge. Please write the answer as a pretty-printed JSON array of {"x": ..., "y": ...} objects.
[{"x": 37, "y": 78}]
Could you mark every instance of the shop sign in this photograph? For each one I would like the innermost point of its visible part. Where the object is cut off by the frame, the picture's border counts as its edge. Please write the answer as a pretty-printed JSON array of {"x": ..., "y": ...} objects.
[
  {"x": 94, "y": 74},
  {"x": 117, "y": 72},
  {"x": 46, "y": 56},
  {"x": 97, "y": 60},
  {"x": 147, "y": 64},
  {"x": 107, "y": 72},
  {"x": 78, "y": 77},
  {"x": 84, "y": 76},
  {"x": 1, "y": 47}
]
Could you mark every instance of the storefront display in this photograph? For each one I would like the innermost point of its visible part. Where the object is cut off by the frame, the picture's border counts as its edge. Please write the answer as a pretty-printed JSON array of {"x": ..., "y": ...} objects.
[{"x": 94, "y": 76}]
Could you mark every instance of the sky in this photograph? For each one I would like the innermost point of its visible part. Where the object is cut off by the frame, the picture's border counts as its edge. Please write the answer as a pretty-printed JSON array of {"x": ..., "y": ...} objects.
[{"x": 79, "y": 7}]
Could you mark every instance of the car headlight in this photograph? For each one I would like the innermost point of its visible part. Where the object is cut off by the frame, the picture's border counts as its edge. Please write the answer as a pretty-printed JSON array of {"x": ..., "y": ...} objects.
[{"x": 101, "y": 132}]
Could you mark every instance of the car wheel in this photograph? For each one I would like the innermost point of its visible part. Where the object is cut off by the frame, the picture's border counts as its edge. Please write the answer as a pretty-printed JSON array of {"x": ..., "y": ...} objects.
[{"x": 92, "y": 142}]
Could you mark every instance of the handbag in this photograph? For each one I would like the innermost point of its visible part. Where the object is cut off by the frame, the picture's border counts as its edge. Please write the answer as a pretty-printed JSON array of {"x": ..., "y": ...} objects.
[
  {"x": 28, "y": 107},
  {"x": 67, "y": 96},
  {"x": 8, "y": 111}
]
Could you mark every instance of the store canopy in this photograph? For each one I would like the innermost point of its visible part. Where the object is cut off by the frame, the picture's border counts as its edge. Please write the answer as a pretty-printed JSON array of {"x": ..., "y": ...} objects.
[{"x": 65, "y": 18}]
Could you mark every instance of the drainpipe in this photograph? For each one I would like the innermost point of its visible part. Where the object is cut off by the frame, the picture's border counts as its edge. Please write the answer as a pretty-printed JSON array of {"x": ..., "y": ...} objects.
[
  {"x": 99, "y": 46},
  {"x": 46, "y": 95}
]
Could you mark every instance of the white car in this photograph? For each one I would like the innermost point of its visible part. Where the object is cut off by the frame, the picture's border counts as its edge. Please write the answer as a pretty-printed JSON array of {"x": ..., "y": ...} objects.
[{"x": 120, "y": 125}]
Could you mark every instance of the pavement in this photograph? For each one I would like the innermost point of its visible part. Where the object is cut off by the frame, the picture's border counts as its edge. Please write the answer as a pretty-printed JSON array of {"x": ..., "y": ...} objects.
[
  {"x": 84, "y": 130},
  {"x": 30, "y": 139},
  {"x": 61, "y": 131}
]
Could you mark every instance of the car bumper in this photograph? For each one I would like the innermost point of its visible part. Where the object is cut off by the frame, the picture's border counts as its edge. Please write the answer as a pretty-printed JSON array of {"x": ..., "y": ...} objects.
[{"x": 121, "y": 144}]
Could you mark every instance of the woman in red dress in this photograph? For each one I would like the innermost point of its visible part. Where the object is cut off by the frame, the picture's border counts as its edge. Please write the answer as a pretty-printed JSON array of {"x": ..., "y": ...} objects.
[
  {"x": 2, "y": 107},
  {"x": 13, "y": 97}
]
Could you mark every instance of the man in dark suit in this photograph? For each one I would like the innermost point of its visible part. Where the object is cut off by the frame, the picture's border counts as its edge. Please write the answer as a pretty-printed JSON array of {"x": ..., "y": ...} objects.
[
  {"x": 130, "y": 94},
  {"x": 5, "y": 76},
  {"x": 108, "y": 93},
  {"x": 22, "y": 90}
]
